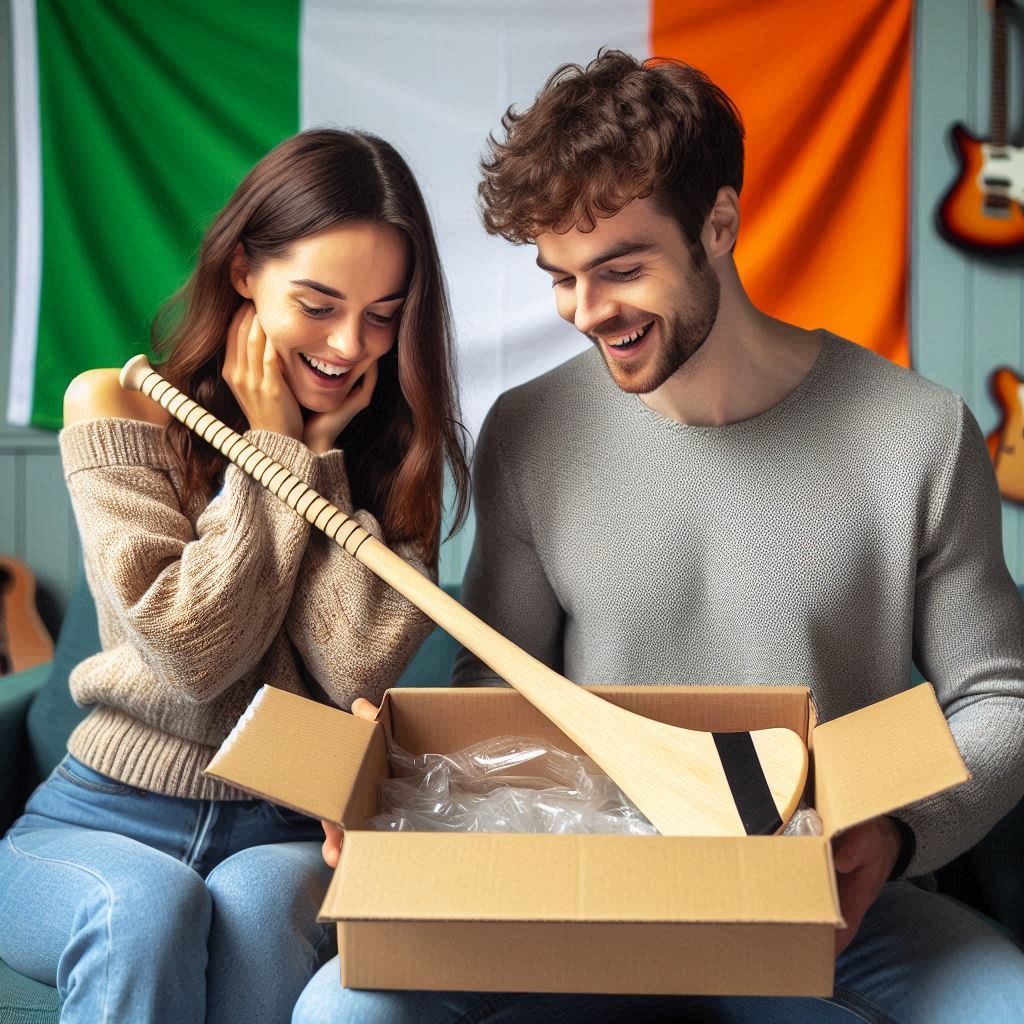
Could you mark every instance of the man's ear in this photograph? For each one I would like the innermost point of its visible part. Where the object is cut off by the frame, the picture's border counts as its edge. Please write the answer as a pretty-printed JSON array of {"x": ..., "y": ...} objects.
[
  {"x": 723, "y": 223},
  {"x": 240, "y": 272}
]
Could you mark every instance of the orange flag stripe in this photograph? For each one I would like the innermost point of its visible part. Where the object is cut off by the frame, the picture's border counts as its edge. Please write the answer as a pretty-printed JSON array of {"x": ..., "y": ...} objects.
[{"x": 824, "y": 90}]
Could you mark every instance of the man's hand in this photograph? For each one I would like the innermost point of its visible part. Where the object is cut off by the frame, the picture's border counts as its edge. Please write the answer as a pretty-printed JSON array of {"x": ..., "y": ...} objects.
[
  {"x": 333, "y": 834},
  {"x": 864, "y": 858}
]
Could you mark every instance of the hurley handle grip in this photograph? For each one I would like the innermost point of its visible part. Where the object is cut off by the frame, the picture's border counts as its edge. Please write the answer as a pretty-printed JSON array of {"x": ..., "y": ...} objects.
[{"x": 138, "y": 375}]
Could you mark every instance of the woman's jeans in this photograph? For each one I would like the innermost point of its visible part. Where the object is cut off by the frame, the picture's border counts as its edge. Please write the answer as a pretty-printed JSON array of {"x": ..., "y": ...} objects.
[
  {"x": 918, "y": 958},
  {"x": 145, "y": 908}
]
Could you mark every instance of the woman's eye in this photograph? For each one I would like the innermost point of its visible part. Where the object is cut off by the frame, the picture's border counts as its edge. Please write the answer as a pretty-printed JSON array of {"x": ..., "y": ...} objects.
[
  {"x": 315, "y": 311},
  {"x": 376, "y": 318},
  {"x": 626, "y": 275}
]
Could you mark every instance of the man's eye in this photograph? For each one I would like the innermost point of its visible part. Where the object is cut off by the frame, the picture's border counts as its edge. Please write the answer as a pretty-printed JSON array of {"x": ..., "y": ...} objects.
[
  {"x": 559, "y": 282},
  {"x": 626, "y": 275},
  {"x": 315, "y": 311}
]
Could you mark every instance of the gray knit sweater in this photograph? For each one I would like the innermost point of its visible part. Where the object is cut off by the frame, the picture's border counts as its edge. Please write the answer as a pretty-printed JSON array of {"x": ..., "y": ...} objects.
[
  {"x": 198, "y": 607},
  {"x": 831, "y": 541}
]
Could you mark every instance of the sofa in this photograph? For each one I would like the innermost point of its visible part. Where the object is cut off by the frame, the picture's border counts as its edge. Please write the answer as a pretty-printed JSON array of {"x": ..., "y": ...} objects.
[{"x": 37, "y": 715}]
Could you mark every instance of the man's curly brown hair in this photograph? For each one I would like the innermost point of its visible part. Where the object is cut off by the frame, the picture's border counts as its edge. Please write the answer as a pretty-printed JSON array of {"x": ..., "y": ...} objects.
[{"x": 599, "y": 137}]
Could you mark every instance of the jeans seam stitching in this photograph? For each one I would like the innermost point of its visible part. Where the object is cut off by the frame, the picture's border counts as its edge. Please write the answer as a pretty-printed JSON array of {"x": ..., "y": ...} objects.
[
  {"x": 114, "y": 789},
  {"x": 110, "y": 906},
  {"x": 484, "y": 1007},
  {"x": 861, "y": 1004}
]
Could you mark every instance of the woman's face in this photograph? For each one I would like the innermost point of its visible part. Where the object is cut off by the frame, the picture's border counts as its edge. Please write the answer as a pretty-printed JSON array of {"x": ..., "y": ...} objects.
[{"x": 330, "y": 308}]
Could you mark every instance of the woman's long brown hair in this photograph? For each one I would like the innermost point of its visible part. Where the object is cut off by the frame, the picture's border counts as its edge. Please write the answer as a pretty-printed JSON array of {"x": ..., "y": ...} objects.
[{"x": 396, "y": 450}]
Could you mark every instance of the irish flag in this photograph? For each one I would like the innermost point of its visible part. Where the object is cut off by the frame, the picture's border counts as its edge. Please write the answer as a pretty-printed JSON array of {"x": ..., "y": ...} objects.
[{"x": 136, "y": 120}]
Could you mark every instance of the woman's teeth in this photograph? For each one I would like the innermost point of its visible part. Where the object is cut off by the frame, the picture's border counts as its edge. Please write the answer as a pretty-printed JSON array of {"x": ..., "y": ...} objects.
[
  {"x": 324, "y": 368},
  {"x": 631, "y": 339}
]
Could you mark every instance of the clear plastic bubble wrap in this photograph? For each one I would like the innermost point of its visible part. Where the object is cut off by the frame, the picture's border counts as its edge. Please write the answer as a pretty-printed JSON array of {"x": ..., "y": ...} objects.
[{"x": 513, "y": 784}]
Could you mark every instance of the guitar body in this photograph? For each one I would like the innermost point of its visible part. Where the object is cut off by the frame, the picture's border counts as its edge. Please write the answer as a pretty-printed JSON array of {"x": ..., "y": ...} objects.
[
  {"x": 24, "y": 641},
  {"x": 1006, "y": 443},
  {"x": 983, "y": 210}
]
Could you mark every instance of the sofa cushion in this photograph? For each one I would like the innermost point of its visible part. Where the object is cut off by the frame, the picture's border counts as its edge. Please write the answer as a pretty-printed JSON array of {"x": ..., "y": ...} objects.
[
  {"x": 24, "y": 1001},
  {"x": 53, "y": 713}
]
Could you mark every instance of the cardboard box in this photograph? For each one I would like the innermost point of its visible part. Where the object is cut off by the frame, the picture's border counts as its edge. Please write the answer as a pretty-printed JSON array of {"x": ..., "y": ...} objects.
[{"x": 652, "y": 914}]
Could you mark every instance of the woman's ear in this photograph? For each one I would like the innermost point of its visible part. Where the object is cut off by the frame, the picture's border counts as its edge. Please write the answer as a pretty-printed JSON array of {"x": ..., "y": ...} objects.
[{"x": 240, "y": 272}]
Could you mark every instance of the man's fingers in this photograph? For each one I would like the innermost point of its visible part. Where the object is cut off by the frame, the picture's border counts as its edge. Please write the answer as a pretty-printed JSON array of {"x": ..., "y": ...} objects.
[
  {"x": 857, "y": 891},
  {"x": 852, "y": 849},
  {"x": 848, "y": 855}
]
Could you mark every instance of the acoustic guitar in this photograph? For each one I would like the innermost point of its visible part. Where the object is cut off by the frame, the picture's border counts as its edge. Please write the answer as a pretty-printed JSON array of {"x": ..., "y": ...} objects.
[
  {"x": 24, "y": 641},
  {"x": 1006, "y": 442},
  {"x": 982, "y": 211}
]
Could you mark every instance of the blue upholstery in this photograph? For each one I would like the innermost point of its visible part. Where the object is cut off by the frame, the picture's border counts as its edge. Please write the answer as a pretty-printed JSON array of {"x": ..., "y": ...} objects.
[{"x": 36, "y": 716}]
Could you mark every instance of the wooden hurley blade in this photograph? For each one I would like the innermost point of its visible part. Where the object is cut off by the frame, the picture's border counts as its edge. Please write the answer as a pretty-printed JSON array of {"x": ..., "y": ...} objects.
[{"x": 686, "y": 782}]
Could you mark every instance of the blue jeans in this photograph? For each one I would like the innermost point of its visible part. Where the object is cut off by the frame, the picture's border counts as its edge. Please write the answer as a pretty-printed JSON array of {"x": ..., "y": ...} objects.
[
  {"x": 919, "y": 958},
  {"x": 145, "y": 908}
]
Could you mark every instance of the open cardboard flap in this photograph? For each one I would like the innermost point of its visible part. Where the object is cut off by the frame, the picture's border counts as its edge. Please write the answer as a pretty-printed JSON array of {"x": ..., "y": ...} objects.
[
  {"x": 883, "y": 757},
  {"x": 342, "y": 757}
]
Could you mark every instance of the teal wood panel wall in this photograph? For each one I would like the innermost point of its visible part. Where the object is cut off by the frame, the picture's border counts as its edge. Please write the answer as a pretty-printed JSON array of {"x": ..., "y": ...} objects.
[{"x": 966, "y": 313}]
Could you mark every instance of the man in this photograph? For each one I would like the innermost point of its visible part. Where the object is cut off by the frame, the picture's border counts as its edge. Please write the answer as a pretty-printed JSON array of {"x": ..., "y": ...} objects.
[{"x": 712, "y": 496}]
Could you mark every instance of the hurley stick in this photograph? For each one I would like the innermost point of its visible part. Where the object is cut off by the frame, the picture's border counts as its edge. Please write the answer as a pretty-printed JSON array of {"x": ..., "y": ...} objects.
[{"x": 686, "y": 782}]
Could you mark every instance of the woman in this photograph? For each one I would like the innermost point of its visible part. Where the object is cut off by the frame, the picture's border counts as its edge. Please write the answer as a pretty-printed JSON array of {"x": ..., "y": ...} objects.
[{"x": 316, "y": 321}]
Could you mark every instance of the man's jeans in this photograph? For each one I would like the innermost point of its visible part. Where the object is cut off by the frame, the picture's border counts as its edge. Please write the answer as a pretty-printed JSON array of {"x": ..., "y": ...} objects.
[
  {"x": 919, "y": 958},
  {"x": 144, "y": 908}
]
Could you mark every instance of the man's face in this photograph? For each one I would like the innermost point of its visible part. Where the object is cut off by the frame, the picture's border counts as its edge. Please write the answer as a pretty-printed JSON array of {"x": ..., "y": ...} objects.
[{"x": 637, "y": 289}]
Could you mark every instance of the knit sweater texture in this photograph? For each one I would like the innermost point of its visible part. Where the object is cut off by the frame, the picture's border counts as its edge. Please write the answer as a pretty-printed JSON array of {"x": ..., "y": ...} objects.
[
  {"x": 198, "y": 607},
  {"x": 832, "y": 541}
]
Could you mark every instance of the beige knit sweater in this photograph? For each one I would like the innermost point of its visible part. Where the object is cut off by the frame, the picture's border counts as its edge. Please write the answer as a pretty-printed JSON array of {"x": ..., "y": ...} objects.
[{"x": 199, "y": 607}]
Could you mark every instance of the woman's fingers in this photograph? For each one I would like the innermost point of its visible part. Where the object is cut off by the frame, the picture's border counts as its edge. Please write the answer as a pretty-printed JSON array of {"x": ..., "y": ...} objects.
[
  {"x": 235, "y": 354},
  {"x": 333, "y": 837},
  {"x": 362, "y": 708},
  {"x": 253, "y": 371}
]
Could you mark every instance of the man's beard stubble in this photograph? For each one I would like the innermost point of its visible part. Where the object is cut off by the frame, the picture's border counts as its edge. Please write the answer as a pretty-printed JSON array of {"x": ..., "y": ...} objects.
[{"x": 680, "y": 337}]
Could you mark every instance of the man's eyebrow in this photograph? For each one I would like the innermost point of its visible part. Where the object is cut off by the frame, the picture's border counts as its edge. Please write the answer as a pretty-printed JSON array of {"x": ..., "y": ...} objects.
[
  {"x": 335, "y": 294},
  {"x": 623, "y": 249}
]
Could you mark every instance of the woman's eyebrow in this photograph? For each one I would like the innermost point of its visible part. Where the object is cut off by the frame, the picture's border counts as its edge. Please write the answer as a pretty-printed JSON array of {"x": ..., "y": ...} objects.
[
  {"x": 318, "y": 287},
  {"x": 335, "y": 294}
]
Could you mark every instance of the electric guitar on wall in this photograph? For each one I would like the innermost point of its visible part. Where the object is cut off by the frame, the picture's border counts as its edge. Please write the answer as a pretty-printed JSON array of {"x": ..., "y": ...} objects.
[
  {"x": 984, "y": 209},
  {"x": 1006, "y": 442},
  {"x": 24, "y": 641}
]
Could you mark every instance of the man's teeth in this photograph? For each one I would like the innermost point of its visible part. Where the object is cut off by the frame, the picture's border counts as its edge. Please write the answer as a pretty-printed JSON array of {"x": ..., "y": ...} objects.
[
  {"x": 630, "y": 338},
  {"x": 331, "y": 371}
]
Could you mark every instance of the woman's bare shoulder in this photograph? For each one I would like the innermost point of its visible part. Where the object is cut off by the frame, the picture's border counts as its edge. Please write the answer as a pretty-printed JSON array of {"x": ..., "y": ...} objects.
[{"x": 97, "y": 394}]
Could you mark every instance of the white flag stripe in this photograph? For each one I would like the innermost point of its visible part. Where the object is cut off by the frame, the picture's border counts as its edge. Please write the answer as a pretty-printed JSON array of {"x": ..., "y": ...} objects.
[
  {"x": 433, "y": 77},
  {"x": 28, "y": 260}
]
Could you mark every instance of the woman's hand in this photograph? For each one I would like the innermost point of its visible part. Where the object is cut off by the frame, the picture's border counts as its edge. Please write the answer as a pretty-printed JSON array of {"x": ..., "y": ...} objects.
[
  {"x": 252, "y": 370},
  {"x": 323, "y": 428},
  {"x": 333, "y": 834},
  {"x": 331, "y": 849}
]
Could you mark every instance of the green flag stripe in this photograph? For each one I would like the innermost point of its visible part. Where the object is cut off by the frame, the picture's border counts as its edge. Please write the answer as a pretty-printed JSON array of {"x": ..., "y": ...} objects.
[{"x": 150, "y": 115}]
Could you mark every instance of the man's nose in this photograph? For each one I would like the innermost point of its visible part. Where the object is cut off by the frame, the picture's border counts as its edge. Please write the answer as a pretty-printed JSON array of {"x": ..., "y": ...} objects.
[{"x": 593, "y": 308}]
